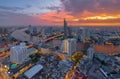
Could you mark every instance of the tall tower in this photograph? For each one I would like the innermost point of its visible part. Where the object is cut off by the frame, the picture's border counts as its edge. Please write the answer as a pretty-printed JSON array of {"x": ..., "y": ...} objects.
[{"x": 65, "y": 29}]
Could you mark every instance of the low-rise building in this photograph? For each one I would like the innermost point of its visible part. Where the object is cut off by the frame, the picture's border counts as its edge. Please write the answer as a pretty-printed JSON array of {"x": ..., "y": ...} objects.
[
  {"x": 31, "y": 51},
  {"x": 44, "y": 49},
  {"x": 33, "y": 71}
]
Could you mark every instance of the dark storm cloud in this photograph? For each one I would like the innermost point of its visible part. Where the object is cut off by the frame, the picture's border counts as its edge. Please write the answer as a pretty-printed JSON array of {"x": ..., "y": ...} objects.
[
  {"x": 10, "y": 8},
  {"x": 97, "y": 6}
]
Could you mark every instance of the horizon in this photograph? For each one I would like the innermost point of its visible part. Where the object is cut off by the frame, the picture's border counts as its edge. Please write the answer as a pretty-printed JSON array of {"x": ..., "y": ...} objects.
[
  {"x": 58, "y": 26},
  {"x": 54, "y": 26}
]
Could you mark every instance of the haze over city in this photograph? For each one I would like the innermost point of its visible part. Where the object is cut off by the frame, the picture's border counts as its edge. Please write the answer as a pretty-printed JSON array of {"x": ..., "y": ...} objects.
[{"x": 52, "y": 12}]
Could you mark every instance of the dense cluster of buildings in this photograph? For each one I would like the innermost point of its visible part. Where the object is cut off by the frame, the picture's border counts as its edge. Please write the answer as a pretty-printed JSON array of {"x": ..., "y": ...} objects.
[
  {"x": 35, "y": 58},
  {"x": 99, "y": 66}
]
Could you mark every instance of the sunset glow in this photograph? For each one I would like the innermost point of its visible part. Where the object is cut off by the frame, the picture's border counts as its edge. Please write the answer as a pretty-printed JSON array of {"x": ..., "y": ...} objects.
[
  {"x": 52, "y": 12},
  {"x": 102, "y": 17}
]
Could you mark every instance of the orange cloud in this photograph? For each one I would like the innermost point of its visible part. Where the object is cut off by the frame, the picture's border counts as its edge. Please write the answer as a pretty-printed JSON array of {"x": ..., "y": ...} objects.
[
  {"x": 56, "y": 18},
  {"x": 102, "y": 17}
]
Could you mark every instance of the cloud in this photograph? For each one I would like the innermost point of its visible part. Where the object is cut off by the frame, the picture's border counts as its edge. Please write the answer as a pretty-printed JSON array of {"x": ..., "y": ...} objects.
[
  {"x": 28, "y": 6},
  {"x": 51, "y": 18},
  {"x": 52, "y": 8},
  {"x": 10, "y": 18},
  {"x": 10, "y": 8},
  {"x": 55, "y": 8},
  {"x": 77, "y": 12},
  {"x": 55, "y": 16},
  {"x": 93, "y": 11},
  {"x": 95, "y": 6}
]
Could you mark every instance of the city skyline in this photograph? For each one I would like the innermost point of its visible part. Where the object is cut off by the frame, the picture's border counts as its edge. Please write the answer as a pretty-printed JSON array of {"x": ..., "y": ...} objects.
[
  {"x": 52, "y": 12},
  {"x": 60, "y": 52}
]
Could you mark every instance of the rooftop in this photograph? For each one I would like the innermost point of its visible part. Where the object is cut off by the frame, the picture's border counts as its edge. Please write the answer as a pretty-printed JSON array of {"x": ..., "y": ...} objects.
[
  {"x": 31, "y": 49},
  {"x": 33, "y": 71}
]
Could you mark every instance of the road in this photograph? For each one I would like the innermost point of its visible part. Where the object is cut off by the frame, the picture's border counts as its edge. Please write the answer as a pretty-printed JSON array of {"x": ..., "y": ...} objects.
[
  {"x": 71, "y": 73},
  {"x": 52, "y": 37},
  {"x": 47, "y": 39}
]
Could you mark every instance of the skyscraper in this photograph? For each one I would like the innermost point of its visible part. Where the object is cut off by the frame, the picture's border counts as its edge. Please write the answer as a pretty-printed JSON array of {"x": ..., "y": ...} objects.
[
  {"x": 65, "y": 29},
  {"x": 69, "y": 46}
]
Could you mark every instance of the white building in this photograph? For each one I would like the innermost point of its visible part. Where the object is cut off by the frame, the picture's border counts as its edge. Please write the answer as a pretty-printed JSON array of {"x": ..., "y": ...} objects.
[
  {"x": 90, "y": 52},
  {"x": 69, "y": 46},
  {"x": 18, "y": 54}
]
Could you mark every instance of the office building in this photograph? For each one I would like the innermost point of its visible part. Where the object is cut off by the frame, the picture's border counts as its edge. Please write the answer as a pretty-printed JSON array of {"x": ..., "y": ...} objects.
[
  {"x": 65, "y": 29},
  {"x": 85, "y": 34},
  {"x": 69, "y": 46},
  {"x": 90, "y": 52},
  {"x": 18, "y": 54}
]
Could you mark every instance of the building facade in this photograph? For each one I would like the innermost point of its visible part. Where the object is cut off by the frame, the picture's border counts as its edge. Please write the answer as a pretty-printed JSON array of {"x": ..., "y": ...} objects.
[
  {"x": 85, "y": 34},
  {"x": 18, "y": 54},
  {"x": 90, "y": 52},
  {"x": 69, "y": 46}
]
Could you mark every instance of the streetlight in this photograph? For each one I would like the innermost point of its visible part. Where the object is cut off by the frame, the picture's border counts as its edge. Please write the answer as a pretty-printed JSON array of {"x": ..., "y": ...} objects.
[{"x": 8, "y": 72}]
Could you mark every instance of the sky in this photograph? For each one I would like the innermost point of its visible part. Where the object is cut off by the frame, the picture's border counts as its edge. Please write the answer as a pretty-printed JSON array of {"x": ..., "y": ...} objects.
[{"x": 52, "y": 12}]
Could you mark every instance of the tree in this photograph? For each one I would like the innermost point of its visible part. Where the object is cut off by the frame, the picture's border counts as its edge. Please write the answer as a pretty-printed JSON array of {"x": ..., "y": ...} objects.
[
  {"x": 57, "y": 47},
  {"x": 35, "y": 57},
  {"x": 13, "y": 77}
]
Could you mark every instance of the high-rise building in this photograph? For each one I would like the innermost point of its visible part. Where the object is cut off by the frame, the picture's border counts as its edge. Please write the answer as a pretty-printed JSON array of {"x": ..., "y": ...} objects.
[
  {"x": 65, "y": 29},
  {"x": 69, "y": 46},
  {"x": 30, "y": 29},
  {"x": 85, "y": 34},
  {"x": 90, "y": 52},
  {"x": 18, "y": 54},
  {"x": 69, "y": 32}
]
